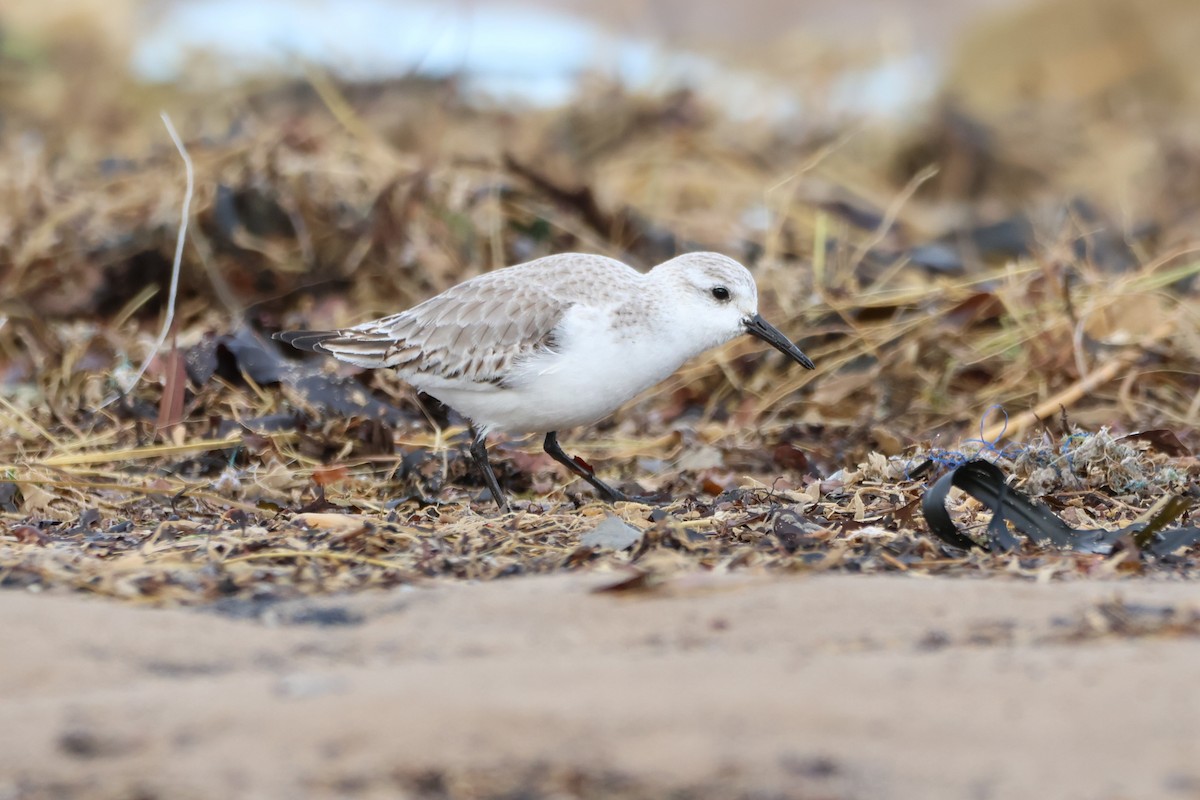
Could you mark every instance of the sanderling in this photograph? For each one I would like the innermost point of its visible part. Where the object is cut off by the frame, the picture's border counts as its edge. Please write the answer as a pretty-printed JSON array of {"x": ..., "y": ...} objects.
[{"x": 557, "y": 342}]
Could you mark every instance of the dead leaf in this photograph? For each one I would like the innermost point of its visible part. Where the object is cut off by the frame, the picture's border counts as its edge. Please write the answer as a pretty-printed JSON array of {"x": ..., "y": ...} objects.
[
  {"x": 35, "y": 499},
  {"x": 327, "y": 476},
  {"x": 612, "y": 534}
]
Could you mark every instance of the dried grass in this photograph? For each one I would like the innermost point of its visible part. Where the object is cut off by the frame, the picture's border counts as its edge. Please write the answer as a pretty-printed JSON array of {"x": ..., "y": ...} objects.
[{"x": 320, "y": 204}]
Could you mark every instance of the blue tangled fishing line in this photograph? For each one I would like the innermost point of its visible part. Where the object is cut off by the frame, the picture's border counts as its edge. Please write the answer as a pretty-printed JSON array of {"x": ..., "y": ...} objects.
[{"x": 988, "y": 450}]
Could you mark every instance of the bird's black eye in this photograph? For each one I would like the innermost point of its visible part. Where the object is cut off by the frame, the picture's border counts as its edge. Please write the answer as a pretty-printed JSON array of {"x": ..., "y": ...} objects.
[{"x": 720, "y": 293}]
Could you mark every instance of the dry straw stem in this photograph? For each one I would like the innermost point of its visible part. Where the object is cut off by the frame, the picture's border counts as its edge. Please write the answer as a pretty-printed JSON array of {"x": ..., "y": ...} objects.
[{"x": 142, "y": 453}]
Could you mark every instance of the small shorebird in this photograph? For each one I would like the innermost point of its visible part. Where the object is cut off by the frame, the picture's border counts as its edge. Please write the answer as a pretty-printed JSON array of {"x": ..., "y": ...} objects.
[{"x": 557, "y": 342}]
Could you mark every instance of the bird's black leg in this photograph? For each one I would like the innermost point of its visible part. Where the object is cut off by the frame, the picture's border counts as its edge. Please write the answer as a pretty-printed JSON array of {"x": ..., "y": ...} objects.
[
  {"x": 556, "y": 452},
  {"x": 479, "y": 453}
]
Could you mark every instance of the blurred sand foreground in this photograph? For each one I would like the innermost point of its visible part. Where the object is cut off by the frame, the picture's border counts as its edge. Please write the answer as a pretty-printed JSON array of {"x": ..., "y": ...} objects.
[{"x": 827, "y": 686}]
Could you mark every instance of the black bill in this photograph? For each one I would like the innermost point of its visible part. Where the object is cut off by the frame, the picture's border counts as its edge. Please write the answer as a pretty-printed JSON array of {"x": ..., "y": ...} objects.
[{"x": 759, "y": 327}]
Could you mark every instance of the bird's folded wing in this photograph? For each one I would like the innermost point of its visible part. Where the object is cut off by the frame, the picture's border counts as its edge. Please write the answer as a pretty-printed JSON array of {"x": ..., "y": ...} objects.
[{"x": 474, "y": 335}]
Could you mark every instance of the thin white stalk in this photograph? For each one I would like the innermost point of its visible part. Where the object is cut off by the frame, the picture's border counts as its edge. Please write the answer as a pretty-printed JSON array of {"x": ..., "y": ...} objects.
[{"x": 176, "y": 264}]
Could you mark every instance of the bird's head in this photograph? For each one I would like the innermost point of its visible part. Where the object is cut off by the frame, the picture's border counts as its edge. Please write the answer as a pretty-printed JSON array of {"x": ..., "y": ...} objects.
[{"x": 716, "y": 299}]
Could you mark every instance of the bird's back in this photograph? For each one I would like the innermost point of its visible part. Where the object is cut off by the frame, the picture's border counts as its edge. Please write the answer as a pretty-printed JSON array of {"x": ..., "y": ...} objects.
[{"x": 473, "y": 332}]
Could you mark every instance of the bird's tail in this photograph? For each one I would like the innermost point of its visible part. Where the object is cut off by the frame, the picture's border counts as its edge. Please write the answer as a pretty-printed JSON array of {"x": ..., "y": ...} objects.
[
  {"x": 349, "y": 346},
  {"x": 306, "y": 340}
]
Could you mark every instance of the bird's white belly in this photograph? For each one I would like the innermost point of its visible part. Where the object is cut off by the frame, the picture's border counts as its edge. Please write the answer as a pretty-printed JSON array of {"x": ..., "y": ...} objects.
[{"x": 595, "y": 371}]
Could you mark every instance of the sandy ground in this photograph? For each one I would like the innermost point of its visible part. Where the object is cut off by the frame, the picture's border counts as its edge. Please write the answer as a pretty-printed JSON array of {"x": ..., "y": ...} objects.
[{"x": 715, "y": 686}]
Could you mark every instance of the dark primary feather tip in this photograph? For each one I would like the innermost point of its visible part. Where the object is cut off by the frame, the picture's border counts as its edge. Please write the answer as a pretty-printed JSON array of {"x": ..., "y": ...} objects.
[{"x": 305, "y": 340}]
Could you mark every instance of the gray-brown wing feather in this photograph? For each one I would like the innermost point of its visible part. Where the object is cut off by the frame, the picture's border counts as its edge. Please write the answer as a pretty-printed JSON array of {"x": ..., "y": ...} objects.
[{"x": 466, "y": 333}]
